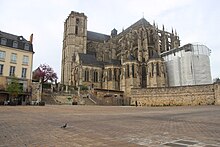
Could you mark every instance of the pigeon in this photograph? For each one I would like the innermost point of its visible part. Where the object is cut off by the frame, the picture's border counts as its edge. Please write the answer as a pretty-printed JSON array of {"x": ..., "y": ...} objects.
[{"x": 64, "y": 126}]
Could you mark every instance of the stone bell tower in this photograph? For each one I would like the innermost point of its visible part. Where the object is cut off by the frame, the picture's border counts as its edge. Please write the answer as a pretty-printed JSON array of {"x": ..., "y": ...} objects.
[{"x": 74, "y": 41}]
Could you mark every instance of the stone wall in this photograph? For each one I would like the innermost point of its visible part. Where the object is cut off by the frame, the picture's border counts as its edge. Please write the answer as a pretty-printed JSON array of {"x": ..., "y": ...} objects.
[
  {"x": 217, "y": 93},
  {"x": 177, "y": 96},
  {"x": 3, "y": 83},
  {"x": 35, "y": 91},
  {"x": 110, "y": 97}
]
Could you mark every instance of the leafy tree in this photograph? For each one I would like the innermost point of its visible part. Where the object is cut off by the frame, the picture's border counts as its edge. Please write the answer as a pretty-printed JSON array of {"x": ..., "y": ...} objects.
[
  {"x": 14, "y": 88},
  {"x": 45, "y": 73}
]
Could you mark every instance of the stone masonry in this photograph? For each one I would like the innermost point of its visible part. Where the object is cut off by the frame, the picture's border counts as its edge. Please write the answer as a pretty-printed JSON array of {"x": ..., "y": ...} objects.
[{"x": 184, "y": 95}]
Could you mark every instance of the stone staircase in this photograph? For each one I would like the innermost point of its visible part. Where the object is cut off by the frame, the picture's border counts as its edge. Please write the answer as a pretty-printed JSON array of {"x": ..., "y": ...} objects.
[
  {"x": 63, "y": 99},
  {"x": 49, "y": 99},
  {"x": 94, "y": 99},
  {"x": 85, "y": 98},
  {"x": 88, "y": 101}
]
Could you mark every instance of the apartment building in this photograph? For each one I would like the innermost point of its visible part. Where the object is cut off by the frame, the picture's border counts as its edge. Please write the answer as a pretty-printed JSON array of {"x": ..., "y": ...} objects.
[{"x": 16, "y": 59}]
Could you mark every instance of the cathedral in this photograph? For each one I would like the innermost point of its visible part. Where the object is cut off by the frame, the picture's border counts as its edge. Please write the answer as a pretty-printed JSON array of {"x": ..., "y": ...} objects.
[{"x": 119, "y": 61}]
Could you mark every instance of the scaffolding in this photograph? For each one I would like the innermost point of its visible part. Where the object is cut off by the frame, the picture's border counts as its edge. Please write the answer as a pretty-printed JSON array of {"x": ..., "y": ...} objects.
[{"x": 188, "y": 65}]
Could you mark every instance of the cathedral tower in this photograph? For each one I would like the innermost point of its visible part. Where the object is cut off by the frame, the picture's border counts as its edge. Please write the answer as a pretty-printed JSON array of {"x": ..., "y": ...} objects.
[{"x": 74, "y": 42}]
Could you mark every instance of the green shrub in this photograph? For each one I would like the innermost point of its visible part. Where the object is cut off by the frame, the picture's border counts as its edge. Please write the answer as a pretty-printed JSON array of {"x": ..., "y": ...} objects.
[
  {"x": 83, "y": 87},
  {"x": 41, "y": 103}
]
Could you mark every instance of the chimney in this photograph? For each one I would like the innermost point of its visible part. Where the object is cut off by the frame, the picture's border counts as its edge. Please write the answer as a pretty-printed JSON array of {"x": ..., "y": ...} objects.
[{"x": 31, "y": 38}]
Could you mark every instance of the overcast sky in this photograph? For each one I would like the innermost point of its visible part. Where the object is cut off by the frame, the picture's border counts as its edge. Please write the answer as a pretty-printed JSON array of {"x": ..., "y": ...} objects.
[{"x": 194, "y": 20}]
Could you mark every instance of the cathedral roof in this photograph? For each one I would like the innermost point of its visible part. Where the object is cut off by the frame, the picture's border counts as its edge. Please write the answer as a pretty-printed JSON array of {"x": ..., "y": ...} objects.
[
  {"x": 155, "y": 55},
  {"x": 113, "y": 62},
  {"x": 94, "y": 36},
  {"x": 131, "y": 57},
  {"x": 89, "y": 59},
  {"x": 99, "y": 37},
  {"x": 141, "y": 22}
]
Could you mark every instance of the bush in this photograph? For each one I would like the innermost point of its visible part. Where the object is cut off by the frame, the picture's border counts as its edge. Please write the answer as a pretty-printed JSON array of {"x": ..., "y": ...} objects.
[
  {"x": 12, "y": 103},
  {"x": 28, "y": 103},
  {"x": 83, "y": 87},
  {"x": 46, "y": 85},
  {"x": 74, "y": 103},
  {"x": 75, "y": 87},
  {"x": 41, "y": 103}
]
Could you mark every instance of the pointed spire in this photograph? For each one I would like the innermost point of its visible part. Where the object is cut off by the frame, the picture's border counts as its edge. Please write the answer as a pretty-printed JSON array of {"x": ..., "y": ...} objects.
[
  {"x": 154, "y": 23},
  {"x": 175, "y": 33},
  {"x": 172, "y": 30},
  {"x": 163, "y": 27}
]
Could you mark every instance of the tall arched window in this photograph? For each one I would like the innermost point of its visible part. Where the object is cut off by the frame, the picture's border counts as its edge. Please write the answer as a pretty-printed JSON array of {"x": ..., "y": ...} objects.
[
  {"x": 144, "y": 76},
  {"x": 136, "y": 53},
  {"x": 133, "y": 70},
  {"x": 119, "y": 74},
  {"x": 109, "y": 74},
  {"x": 95, "y": 76},
  {"x": 115, "y": 75},
  {"x": 152, "y": 68},
  {"x": 76, "y": 30},
  {"x": 76, "y": 27},
  {"x": 86, "y": 75},
  {"x": 158, "y": 71},
  {"x": 128, "y": 71},
  {"x": 77, "y": 21}
]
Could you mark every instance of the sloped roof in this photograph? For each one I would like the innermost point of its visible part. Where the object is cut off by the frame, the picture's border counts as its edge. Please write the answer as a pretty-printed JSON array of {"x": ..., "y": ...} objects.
[
  {"x": 155, "y": 55},
  {"x": 113, "y": 62},
  {"x": 88, "y": 59},
  {"x": 141, "y": 22},
  {"x": 131, "y": 57},
  {"x": 12, "y": 37},
  {"x": 20, "y": 39},
  {"x": 94, "y": 36},
  {"x": 99, "y": 37}
]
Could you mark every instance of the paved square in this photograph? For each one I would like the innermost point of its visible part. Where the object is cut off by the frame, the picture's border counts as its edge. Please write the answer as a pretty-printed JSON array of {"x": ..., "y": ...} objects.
[{"x": 35, "y": 126}]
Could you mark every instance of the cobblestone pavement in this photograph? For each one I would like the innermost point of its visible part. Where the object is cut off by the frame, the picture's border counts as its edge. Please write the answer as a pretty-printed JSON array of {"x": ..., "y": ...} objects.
[{"x": 38, "y": 126}]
